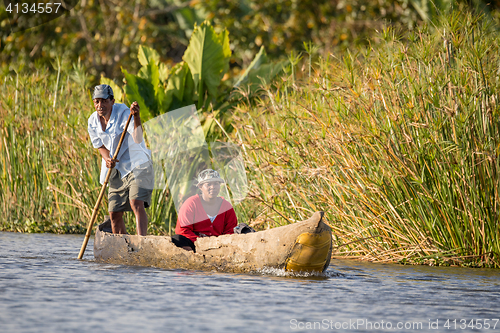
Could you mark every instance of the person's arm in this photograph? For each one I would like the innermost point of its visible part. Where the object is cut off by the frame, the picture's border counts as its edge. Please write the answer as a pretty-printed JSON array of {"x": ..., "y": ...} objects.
[
  {"x": 185, "y": 221},
  {"x": 110, "y": 163},
  {"x": 137, "y": 133},
  {"x": 94, "y": 137},
  {"x": 231, "y": 221},
  {"x": 97, "y": 143}
]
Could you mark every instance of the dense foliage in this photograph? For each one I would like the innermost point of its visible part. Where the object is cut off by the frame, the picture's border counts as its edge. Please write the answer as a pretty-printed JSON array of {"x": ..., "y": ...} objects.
[
  {"x": 106, "y": 35},
  {"x": 396, "y": 140},
  {"x": 399, "y": 145}
]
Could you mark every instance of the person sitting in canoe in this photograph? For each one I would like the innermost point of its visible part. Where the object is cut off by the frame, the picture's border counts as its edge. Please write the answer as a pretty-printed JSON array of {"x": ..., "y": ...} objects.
[{"x": 205, "y": 214}]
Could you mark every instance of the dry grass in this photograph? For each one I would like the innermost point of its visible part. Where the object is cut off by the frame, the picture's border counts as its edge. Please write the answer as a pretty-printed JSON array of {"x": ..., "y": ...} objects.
[
  {"x": 49, "y": 172},
  {"x": 398, "y": 145}
]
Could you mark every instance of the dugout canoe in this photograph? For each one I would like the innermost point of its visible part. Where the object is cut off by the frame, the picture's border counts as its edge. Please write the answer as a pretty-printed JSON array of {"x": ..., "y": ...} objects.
[{"x": 302, "y": 246}]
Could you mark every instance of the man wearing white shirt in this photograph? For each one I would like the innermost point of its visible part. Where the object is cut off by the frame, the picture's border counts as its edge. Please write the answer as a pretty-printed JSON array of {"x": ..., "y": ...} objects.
[{"x": 130, "y": 184}]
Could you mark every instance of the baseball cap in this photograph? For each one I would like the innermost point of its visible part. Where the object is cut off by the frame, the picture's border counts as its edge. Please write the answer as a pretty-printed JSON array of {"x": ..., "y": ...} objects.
[
  {"x": 209, "y": 175},
  {"x": 103, "y": 91}
]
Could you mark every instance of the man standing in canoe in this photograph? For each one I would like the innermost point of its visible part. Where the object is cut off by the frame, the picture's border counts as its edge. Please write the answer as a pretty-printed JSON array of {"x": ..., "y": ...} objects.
[{"x": 131, "y": 179}]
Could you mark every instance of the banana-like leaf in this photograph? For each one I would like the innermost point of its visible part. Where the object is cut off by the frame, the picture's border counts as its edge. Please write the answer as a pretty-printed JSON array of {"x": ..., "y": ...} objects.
[
  {"x": 147, "y": 55},
  {"x": 180, "y": 87},
  {"x": 154, "y": 73},
  {"x": 266, "y": 72},
  {"x": 150, "y": 71},
  {"x": 207, "y": 56},
  {"x": 190, "y": 93},
  {"x": 148, "y": 58},
  {"x": 141, "y": 90},
  {"x": 259, "y": 59},
  {"x": 259, "y": 72},
  {"x": 176, "y": 81},
  {"x": 262, "y": 75},
  {"x": 226, "y": 50},
  {"x": 164, "y": 71}
]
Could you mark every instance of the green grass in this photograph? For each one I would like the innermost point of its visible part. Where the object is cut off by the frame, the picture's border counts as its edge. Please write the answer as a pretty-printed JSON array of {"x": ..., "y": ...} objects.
[
  {"x": 49, "y": 172},
  {"x": 399, "y": 146}
]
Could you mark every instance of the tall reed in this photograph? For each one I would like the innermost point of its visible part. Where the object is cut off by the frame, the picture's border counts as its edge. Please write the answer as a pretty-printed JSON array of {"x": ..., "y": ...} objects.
[
  {"x": 49, "y": 172},
  {"x": 399, "y": 145}
]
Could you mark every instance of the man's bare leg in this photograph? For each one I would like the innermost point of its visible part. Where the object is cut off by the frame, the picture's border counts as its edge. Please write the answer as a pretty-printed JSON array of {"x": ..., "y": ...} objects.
[
  {"x": 117, "y": 223},
  {"x": 141, "y": 218}
]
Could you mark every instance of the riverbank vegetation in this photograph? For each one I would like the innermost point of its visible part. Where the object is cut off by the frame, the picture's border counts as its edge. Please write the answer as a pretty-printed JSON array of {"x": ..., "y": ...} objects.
[
  {"x": 49, "y": 172},
  {"x": 397, "y": 142},
  {"x": 399, "y": 145}
]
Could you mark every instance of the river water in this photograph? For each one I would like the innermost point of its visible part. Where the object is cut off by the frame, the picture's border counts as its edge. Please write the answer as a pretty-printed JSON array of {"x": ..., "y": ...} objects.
[{"x": 44, "y": 288}]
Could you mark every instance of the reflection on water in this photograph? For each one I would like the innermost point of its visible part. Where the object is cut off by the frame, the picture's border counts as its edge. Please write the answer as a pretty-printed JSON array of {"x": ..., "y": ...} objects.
[{"x": 43, "y": 287}]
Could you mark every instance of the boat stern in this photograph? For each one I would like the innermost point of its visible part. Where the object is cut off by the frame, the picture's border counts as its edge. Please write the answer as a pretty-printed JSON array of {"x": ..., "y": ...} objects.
[{"x": 312, "y": 250}]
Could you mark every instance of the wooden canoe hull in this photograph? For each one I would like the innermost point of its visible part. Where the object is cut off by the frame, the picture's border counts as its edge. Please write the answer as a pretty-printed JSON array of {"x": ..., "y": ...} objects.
[{"x": 302, "y": 246}]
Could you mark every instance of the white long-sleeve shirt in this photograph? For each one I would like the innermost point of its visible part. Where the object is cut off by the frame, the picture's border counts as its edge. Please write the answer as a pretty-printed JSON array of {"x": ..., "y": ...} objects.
[{"x": 131, "y": 154}]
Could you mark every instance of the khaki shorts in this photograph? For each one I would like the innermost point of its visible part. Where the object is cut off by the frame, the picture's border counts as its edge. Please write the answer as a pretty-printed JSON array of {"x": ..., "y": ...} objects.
[{"x": 122, "y": 190}]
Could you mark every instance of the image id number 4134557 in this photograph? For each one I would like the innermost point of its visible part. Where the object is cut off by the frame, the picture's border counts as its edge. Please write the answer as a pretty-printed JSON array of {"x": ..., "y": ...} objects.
[
  {"x": 33, "y": 8},
  {"x": 462, "y": 324}
]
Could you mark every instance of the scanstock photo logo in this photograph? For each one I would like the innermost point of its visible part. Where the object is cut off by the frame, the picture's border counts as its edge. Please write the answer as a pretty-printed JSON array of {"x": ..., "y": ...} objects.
[{"x": 26, "y": 14}]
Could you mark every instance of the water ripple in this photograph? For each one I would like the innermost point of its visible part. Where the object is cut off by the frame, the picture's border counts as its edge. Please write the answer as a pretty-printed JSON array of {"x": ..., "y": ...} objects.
[{"x": 44, "y": 288}]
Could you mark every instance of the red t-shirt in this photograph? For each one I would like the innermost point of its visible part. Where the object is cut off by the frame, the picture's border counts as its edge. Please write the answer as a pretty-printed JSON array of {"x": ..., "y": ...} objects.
[{"x": 193, "y": 220}]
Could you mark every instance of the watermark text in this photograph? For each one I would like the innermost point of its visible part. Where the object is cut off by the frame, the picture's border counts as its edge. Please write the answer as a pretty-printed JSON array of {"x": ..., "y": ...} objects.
[{"x": 372, "y": 325}]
